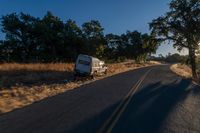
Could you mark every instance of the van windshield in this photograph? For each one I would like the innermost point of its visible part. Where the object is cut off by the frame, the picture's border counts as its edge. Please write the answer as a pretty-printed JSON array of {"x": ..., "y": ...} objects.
[{"x": 83, "y": 62}]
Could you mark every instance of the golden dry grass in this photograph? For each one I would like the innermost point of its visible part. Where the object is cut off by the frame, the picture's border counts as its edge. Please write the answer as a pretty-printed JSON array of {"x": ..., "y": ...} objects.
[
  {"x": 23, "y": 84},
  {"x": 15, "y": 74},
  {"x": 182, "y": 70},
  {"x": 38, "y": 66},
  {"x": 21, "y": 96},
  {"x": 125, "y": 66}
]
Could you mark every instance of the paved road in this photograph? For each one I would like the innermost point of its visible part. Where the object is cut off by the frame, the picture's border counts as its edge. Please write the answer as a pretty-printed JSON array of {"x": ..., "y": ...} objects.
[{"x": 146, "y": 100}]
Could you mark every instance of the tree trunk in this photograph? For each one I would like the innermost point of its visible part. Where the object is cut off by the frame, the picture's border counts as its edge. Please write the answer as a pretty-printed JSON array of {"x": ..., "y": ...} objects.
[{"x": 192, "y": 59}]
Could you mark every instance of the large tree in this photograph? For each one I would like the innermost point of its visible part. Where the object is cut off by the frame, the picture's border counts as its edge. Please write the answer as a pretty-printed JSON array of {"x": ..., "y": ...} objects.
[
  {"x": 18, "y": 29},
  {"x": 132, "y": 45},
  {"x": 180, "y": 25},
  {"x": 113, "y": 47},
  {"x": 50, "y": 31},
  {"x": 47, "y": 39},
  {"x": 139, "y": 45},
  {"x": 73, "y": 42},
  {"x": 94, "y": 38}
]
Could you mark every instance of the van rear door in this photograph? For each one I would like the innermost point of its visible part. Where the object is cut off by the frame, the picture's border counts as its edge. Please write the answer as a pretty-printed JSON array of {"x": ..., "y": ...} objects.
[{"x": 83, "y": 64}]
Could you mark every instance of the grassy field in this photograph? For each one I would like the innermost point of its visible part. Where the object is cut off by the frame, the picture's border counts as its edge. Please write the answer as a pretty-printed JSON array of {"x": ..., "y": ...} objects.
[
  {"x": 23, "y": 84},
  {"x": 33, "y": 74}
]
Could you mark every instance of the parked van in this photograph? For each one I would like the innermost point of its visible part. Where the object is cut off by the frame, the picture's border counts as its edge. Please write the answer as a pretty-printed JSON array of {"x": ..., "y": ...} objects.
[{"x": 88, "y": 65}]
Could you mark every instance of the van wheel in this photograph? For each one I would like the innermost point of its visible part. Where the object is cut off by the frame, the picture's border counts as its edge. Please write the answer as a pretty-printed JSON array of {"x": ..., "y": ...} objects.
[
  {"x": 94, "y": 74},
  {"x": 91, "y": 76},
  {"x": 75, "y": 77},
  {"x": 105, "y": 71}
]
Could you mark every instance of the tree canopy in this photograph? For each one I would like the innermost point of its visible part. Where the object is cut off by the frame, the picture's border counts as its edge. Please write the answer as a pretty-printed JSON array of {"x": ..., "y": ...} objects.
[
  {"x": 181, "y": 25},
  {"x": 50, "y": 39}
]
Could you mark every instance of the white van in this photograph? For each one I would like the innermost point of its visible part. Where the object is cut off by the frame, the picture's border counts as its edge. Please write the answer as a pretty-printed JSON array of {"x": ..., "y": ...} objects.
[{"x": 88, "y": 65}]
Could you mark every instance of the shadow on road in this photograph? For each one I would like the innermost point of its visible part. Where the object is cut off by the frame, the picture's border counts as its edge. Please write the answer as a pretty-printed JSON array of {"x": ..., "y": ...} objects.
[
  {"x": 147, "y": 110},
  {"x": 75, "y": 111}
]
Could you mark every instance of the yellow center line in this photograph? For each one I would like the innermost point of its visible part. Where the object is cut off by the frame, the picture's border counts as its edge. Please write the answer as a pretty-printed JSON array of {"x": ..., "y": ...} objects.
[
  {"x": 115, "y": 111},
  {"x": 121, "y": 107}
]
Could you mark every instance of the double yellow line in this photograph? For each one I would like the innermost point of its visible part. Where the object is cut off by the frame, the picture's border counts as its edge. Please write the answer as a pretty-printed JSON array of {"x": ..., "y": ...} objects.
[{"x": 113, "y": 119}]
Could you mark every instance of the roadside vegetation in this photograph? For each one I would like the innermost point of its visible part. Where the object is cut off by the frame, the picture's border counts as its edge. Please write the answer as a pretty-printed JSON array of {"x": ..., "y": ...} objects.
[
  {"x": 171, "y": 58},
  {"x": 182, "y": 70},
  {"x": 30, "y": 39},
  {"x": 23, "y": 84}
]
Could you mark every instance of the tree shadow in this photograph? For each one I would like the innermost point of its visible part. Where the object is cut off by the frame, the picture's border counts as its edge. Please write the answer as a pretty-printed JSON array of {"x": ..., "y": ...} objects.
[
  {"x": 151, "y": 106},
  {"x": 147, "y": 110}
]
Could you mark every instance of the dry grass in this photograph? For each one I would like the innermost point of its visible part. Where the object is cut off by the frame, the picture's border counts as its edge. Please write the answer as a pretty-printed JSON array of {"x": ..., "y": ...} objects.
[
  {"x": 38, "y": 66},
  {"x": 155, "y": 62},
  {"x": 21, "y": 96},
  {"x": 33, "y": 74},
  {"x": 125, "y": 66},
  {"x": 182, "y": 70},
  {"x": 23, "y": 84}
]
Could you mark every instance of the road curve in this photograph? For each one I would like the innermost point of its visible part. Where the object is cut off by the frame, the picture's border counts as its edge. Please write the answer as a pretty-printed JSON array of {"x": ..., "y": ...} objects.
[{"x": 159, "y": 102}]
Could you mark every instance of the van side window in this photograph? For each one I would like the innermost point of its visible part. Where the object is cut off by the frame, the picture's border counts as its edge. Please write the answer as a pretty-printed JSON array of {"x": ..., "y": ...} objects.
[{"x": 84, "y": 62}]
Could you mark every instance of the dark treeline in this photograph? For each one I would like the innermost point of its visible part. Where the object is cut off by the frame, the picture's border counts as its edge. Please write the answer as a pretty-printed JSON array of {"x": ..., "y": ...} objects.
[
  {"x": 49, "y": 39},
  {"x": 172, "y": 58}
]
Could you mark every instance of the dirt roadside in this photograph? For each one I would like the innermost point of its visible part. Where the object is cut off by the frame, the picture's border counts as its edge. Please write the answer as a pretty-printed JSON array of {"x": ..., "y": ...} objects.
[{"x": 182, "y": 70}]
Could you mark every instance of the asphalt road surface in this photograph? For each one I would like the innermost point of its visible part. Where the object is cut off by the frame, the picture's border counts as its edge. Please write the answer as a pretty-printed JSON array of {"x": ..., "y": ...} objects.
[{"x": 145, "y": 100}]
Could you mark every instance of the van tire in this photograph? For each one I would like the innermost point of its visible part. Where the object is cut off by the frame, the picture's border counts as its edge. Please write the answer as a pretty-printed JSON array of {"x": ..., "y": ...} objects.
[
  {"x": 95, "y": 73},
  {"x": 105, "y": 72},
  {"x": 91, "y": 76},
  {"x": 75, "y": 77}
]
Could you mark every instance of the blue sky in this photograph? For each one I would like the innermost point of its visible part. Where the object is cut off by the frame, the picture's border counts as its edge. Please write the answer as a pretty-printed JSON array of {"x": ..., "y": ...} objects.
[{"x": 116, "y": 16}]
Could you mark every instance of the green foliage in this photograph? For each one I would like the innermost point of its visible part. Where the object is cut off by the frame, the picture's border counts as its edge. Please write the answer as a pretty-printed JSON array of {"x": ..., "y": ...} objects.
[
  {"x": 132, "y": 45},
  {"x": 49, "y": 39},
  {"x": 181, "y": 25},
  {"x": 93, "y": 38}
]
